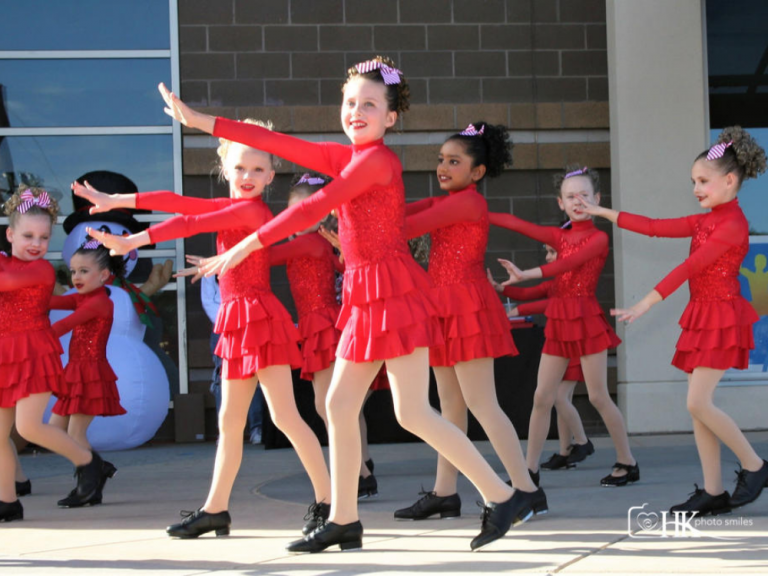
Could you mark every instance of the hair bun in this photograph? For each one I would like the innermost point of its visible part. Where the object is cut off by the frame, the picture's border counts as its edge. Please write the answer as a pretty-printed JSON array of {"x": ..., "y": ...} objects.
[{"x": 749, "y": 154}]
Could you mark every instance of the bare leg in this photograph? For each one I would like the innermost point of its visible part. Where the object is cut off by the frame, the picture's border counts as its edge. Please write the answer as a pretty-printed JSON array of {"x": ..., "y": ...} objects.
[
  {"x": 568, "y": 417},
  {"x": 19, "y": 472},
  {"x": 454, "y": 409},
  {"x": 349, "y": 386},
  {"x": 60, "y": 422},
  {"x": 702, "y": 384},
  {"x": 595, "y": 367},
  {"x": 29, "y": 423},
  {"x": 7, "y": 464},
  {"x": 278, "y": 392},
  {"x": 364, "y": 454},
  {"x": 321, "y": 381},
  {"x": 409, "y": 378},
  {"x": 478, "y": 387},
  {"x": 551, "y": 370},
  {"x": 236, "y": 396},
  {"x": 78, "y": 428}
]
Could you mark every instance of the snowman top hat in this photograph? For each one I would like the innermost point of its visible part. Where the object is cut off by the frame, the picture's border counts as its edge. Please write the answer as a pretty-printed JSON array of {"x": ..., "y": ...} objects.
[{"x": 111, "y": 183}]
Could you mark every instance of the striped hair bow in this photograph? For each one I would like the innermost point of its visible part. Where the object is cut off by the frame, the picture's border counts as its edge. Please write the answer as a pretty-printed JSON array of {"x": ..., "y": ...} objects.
[
  {"x": 718, "y": 150},
  {"x": 310, "y": 180},
  {"x": 28, "y": 200},
  {"x": 390, "y": 75},
  {"x": 472, "y": 131},
  {"x": 579, "y": 172},
  {"x": 91, "y": 244}
]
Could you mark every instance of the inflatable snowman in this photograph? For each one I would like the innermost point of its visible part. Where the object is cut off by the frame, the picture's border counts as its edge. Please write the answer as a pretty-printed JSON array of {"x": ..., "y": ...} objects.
[
  {"x": 142, "y": 374},
  {"x": 141, "y": 380}
]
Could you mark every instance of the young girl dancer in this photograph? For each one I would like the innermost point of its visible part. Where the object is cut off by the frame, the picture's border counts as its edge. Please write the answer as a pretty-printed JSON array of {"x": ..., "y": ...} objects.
[
  {"x": 717, "y": 323},
  {"x": 574, "y": 444},
  {"x": 258, "y": 338},
  {"x": 311, "y": 266},
  {"x": 90, "y": 387},
  {"x": 472, "y": 319},
  {"x": 386, "y": 311},
  {"x": 30, "y": 367},
  {"x": 576, "y": 326}
]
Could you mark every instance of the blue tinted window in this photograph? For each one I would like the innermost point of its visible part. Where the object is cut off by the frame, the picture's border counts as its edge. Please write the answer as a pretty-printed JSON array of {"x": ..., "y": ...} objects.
[
  {"x": 119, "y": 92},
  {"x": 55, "y": 161},
  {"x": 85, "y": 25}
]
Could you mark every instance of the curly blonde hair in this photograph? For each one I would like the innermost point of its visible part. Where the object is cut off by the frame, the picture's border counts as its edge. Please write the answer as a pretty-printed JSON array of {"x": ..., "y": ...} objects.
[
  {"x": 398, "y": 95},
  {"x": 224, "y": 145},
  {"x": 12, "y": 205},
  {"x": 745, "y": 157}
]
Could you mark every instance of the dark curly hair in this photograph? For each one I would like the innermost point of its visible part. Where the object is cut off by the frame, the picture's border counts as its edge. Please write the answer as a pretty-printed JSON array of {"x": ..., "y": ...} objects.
[
  {"x": 590, "y": 173},
  {"x": 398, "y": 95},
  {"x": 745, "y": 157},
  {"x": 492, "y": 148},
  {"x": 115, "y": 264}
]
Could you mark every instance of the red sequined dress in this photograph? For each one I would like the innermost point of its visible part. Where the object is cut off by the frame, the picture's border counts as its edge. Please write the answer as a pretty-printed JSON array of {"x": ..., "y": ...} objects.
[
  {"x": 472, "y": 317},
  {"x": 539, "y": 295},
  {"x": 256, "y": 329},
  {"x": 90, "y": 383},
  {"x": 386, "y": 308},
  {"x": 30, "y": 360},
  {"x": 311, "y": 267},
  {"x": 576, "y": 324},
  {"x": 717, "y": 323}
]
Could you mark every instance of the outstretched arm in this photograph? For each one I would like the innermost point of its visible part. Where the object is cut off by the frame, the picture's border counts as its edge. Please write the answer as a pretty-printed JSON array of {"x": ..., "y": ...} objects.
[
  {"x": 596, "y": 245},
  {"x": 658, "y": 227},
  {"x": 448, "y": 210},
  {"x": 40, "y": 272},
  {"x": 88, "y": 311},
  {"x": 370, "y": 167},
  {"x": 545, "y": 234}
]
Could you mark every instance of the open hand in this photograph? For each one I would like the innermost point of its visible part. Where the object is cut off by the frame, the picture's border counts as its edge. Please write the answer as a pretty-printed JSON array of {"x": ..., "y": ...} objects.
[
  {"x": 118, "y": 245},
  {"x": 101, "y": 202},
  {"x": 629, "y": 315},
  {"x": 496, "y": 286},
  {"x": 515, "y": 274},
  {"x": 193, "y": 271}
]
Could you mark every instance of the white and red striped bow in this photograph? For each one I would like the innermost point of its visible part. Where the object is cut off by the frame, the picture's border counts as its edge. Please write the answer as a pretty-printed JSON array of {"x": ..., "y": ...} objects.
[
  {"x": 472, "y": 131},
  {"x": 718, "y": 150},
  {"x": 390, "y": 75},
  {"x": 28, "y": 200},
  {"x": 311, "y": 180}
]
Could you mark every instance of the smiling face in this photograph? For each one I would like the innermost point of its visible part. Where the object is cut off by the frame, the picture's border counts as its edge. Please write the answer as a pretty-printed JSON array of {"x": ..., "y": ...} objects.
[
  {"x": 365, "y": 113},
  {"x": 29, "y": 236},
  {"x": 710, "y": 186},
  {"x": 248, "y": 171},
  {"x": 454, "y": 167},
  {"x": 86, "y": 275},
  {"x": 572, "y": 190}
]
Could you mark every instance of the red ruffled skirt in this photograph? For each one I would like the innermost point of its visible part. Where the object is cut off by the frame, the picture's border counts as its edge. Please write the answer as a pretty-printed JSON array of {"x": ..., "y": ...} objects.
[
  {"x": 574, "y": 373},
  {"x": 30, "y": 363},
  {"x": 256, "y": 332},
  {"x": 319, "y": 338},
  {"x": 716, "y": 334},
  {"x": 91, "y": 388},
  {"x": 387, "y": 311},
  {"x": 473, "y": 323},
  {"x": 577, "y": 327}
]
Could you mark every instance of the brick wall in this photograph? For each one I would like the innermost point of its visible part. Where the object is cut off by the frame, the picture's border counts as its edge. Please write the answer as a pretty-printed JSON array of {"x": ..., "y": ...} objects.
[{"x": 537, "y": 66}]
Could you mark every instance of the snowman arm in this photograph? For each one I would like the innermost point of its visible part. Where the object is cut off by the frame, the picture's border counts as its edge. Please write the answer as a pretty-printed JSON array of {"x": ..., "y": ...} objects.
[
  {"x": 247, "y": 215},
  {"x": 165, "y": 201},
  {"x": 68, "y": 302}
]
